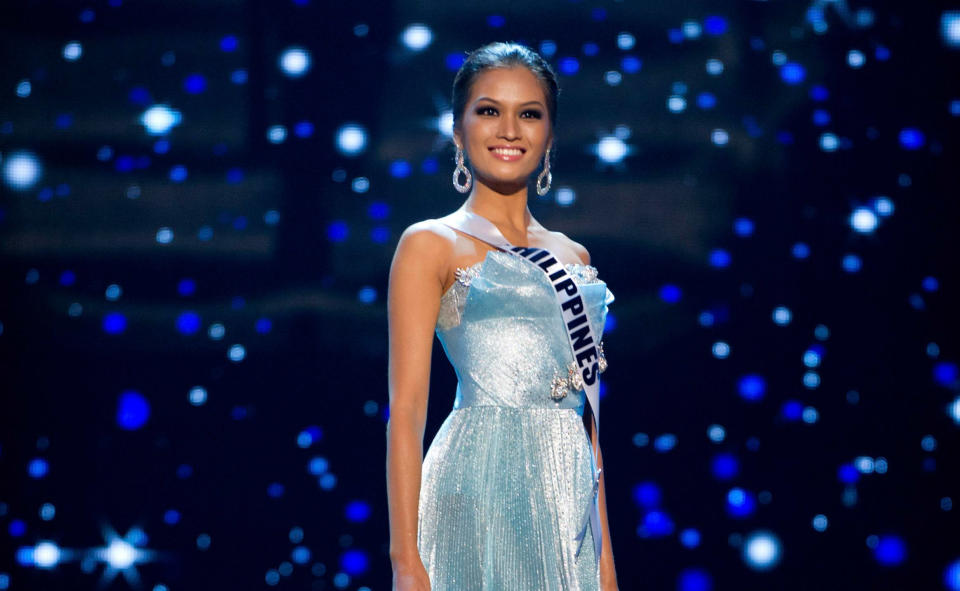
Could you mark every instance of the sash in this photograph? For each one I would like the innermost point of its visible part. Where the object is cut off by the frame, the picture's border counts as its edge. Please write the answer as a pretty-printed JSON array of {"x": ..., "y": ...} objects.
[{"x": 583, "y": 343}]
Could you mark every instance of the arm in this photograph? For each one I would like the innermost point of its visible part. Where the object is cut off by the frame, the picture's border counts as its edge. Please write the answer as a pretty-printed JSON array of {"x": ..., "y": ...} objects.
[
  {"x": 413, "y": 300},
  {"x": 608, "y": 573}
]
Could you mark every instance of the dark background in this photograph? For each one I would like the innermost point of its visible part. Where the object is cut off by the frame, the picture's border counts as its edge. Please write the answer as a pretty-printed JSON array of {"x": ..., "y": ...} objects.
[{"x": 292, "y": 264}]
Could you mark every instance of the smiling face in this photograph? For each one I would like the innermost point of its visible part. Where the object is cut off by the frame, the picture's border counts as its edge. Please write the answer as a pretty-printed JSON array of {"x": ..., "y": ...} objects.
[{"x": 505, "y": 127}]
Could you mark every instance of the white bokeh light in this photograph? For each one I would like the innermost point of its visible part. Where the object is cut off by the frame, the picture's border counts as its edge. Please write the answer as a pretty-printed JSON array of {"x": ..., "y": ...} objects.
[
  {"x": 691, "y": 29},
  {"x": 351, "y": 139},
  {"x": 855, "y": 58},
  {"x": 863, "y": 220},
  {"x": 164, "y": 235},
  {"x": 276, "y": 134},
  {"x": 613, "y": 77},
  {"x": 721, "y": 350},
  {"x": 565, "y": 196},
  {"x": 21, "y": 170},
  {"x": 762, "y": 550},
  {"x": 950, "y": 27},
  {"x": 417, "y": 37},
  {"x": 716, "y": 433},
  {"x": 676, "y": 104},
  {"x": 829, "y": 142},
  {"x": 883, "y": 205},
  {"x": 445, "y": 123},
  {"x": 781, "y": 315},
  {"x": 120, "y": 554},
  {"x": 295, "y": 61},
  {"x": 46, "y": 555},
  {"x": 611, "y": 149},
  {"x": 72, "y": 51},
  {"x": 160, "y": 119}
]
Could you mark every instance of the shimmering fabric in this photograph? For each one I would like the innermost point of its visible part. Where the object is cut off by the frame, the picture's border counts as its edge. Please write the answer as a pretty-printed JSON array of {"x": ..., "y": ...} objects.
[{"x": 509, "y": 474}]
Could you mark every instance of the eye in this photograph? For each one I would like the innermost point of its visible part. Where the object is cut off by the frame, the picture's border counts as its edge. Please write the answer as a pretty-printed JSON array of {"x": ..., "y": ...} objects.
[
  {"x": 485, "y": 110},
  {"x": 533, "y": 114}
]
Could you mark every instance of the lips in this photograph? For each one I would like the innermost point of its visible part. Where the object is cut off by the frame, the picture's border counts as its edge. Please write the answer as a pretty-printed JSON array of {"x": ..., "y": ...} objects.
[{"x": 507, "y": 153}]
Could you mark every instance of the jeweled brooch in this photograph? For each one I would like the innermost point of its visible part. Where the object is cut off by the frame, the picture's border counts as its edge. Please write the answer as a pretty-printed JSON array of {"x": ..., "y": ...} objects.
[{"x": 561, "y": 385}]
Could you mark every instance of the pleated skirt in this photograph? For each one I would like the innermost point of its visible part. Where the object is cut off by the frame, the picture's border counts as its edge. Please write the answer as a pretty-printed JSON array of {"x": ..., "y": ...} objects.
[{"x": 502, "y": 497}]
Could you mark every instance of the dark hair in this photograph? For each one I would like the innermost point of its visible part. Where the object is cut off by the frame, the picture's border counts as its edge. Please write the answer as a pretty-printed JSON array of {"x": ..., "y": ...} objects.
[{"x": 503, "y": 55}]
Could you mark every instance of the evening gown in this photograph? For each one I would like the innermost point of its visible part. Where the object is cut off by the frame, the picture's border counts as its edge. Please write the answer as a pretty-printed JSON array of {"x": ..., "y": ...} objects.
[{"x": 509, "y": 477}]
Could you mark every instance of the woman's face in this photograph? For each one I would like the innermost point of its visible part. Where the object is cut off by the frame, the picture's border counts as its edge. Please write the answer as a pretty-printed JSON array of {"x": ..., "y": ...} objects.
[{"x": 505, "y": 127}]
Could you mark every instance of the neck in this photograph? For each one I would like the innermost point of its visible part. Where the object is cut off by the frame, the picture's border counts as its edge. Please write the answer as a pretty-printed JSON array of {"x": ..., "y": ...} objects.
[{"x": 507, "y": 209}]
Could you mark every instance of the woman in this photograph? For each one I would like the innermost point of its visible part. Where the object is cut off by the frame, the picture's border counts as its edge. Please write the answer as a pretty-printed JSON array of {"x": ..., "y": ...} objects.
[{"x": 510, "y": 495}]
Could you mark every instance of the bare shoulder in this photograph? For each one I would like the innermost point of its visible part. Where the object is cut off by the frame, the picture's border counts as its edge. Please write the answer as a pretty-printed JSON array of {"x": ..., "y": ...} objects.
[
  {"x": 573, "y": 245},
  {"x": 427, "y": 234},
  {"x": 428, "y": 242}
]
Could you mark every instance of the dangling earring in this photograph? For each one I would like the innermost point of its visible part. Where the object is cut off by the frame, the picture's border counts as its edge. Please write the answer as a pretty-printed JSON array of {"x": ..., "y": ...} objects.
[
  {"x": 461, "y": 169},
  {"x": 541, "y": 190}
]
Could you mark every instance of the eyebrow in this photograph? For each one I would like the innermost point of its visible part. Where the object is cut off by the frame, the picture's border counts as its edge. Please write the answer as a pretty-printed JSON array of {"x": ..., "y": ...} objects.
[{"x": 486, "y": 98}]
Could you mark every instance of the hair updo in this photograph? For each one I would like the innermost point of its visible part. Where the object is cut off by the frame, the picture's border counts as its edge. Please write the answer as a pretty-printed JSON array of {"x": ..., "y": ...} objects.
[{"x": 503, "y": 55}]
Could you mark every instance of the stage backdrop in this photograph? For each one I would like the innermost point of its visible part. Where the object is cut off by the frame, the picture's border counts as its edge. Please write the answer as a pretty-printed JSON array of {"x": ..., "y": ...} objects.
[{"x": 200, "y": 201}]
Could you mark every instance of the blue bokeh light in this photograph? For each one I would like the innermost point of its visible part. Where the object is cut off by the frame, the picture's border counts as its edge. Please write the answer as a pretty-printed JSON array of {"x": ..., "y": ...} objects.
[
  {"x": 647, "y": 494},
  {"x": 188, "y": 323},
  {"x": 912, "y": 138},
  {"x": 694, "y": 579},
  {"x": 195, "y": 84},
  {"x": 740, "y": 503},
  {"x": 655, "y": 524},
  {"x": 38, "y": 468},
  {"x": 228, "y": 43},
  {"x": 752, "y": 387},
  {"x": 890, "y": 550},
  {"x": 354, "y": 562},
  {"x": 114, "y": 323},
  {"x": 133, "y": 410},
  {"x": 792, "y": 73},
  {"x": 569, "y": 66},
  {"x": 400, "y": 169},
  {"x": 725, "y": 466},
  {"x": 690, "y": 538},
  {"x": 337, "y": 231},
  {"x": 951, "y": 576},
  {"x": 670, "y": 293},
  {"x": 715, "y": 25},
  {"x": 358, "y": 511}
]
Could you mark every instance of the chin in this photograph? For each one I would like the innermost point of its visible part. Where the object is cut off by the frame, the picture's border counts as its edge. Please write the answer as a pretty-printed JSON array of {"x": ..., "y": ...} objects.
[
  {"x": 509, "y": 176},
  {"x": 505, "y": 184}
]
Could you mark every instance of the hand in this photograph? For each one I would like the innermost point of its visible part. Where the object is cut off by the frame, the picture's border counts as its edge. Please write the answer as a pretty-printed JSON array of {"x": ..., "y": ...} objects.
[{"x": 410, "y": 576}]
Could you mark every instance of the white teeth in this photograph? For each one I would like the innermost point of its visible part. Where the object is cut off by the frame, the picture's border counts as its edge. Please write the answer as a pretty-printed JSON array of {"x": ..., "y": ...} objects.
[{"x": 507, "y": 151}]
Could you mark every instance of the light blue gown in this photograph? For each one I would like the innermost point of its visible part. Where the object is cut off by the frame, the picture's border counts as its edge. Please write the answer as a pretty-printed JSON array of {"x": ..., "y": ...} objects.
[{"x": 508, "y": 480}]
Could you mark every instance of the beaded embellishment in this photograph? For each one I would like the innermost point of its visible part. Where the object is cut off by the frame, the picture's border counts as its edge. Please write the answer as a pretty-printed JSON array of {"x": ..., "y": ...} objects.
[
  {"x": 573, "y": 381},
  {"x": 452, "y": 302},
  {"x": 467, "y": 274},
  {"x": 580, "y": 273}
]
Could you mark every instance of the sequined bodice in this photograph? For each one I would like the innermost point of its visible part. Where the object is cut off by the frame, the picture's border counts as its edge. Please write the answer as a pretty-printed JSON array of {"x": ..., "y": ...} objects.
[{"x": 501, "y": 328}]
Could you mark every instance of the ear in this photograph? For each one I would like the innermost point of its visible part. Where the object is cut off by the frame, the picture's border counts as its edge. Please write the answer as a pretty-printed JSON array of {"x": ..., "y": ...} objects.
[{"x": 457, "y": 138}]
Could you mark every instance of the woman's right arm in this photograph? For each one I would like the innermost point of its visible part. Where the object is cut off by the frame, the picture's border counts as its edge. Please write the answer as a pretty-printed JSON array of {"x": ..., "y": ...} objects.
[{"x": 413, "y": 301}]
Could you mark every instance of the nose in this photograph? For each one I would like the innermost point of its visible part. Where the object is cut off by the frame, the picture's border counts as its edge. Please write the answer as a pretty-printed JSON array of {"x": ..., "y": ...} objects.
[{"x": 509, "y": 130}]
